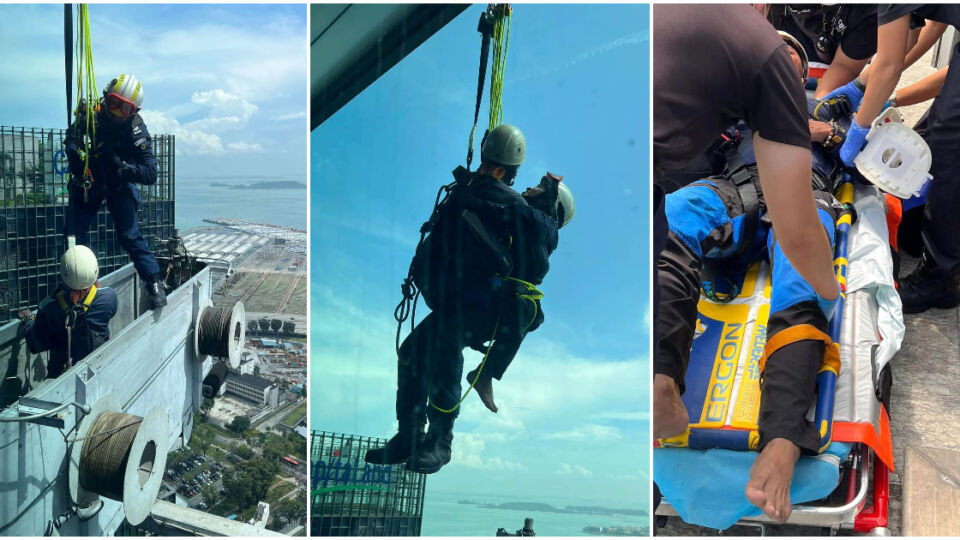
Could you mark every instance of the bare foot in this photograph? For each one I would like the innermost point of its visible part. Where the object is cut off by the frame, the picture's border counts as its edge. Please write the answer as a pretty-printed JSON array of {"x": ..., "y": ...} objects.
[
  {"x": 770, "y": 477},
  {"x": 484, "y": 388},
  {"x": 670, "y": 417}
]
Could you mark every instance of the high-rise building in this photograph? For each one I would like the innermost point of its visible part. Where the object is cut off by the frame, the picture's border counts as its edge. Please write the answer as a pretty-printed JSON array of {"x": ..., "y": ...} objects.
[
  {"x": 33, "y": 184},
  {"x": 353, "y": 498}
]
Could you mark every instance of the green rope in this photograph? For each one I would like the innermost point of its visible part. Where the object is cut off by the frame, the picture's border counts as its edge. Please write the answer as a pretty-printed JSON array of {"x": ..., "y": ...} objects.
[
  {"x": 501, "y": 39},
  {"x": 86, "y": 83},
  {"x": 533, "y": 294}
]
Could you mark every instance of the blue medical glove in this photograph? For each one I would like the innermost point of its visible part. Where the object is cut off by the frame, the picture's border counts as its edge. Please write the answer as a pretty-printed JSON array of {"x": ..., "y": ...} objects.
[
  {"x": 851, "y": 90},
  {"x": 856, "y": 139},
  {"x": 829, "y": 307}
]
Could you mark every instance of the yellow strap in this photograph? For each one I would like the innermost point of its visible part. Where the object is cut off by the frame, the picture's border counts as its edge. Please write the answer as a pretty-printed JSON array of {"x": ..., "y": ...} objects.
[
  {"x": 803, "y": 332},
  {"x": 87, "y": 301}
]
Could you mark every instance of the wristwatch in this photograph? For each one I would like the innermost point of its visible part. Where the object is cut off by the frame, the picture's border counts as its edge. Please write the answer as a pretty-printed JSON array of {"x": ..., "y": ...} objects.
[{"x": 893, "y": 100}]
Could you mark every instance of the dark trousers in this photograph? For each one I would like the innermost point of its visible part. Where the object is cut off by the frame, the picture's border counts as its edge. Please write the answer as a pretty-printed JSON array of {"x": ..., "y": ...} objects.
[
  {"x": 430, "y": 364},
  {"x": 660, "y": 230},
  {"x": 941, "y": 219},
  {"x": 123, "y": 209}
]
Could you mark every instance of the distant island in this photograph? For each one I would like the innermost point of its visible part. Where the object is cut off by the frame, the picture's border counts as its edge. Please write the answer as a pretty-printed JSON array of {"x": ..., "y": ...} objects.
[
  {"x": 616, "y": 531},
  {"x": 281, "y": 184},
  {"x": 544, "y": 507}
]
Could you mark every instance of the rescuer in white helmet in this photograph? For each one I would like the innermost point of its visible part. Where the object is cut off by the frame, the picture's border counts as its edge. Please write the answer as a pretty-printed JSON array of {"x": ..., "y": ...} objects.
[
  {"x": 121, "y": 159},
  {"x": 486, "y": 249},
  {"x": 75, "y": 317}
]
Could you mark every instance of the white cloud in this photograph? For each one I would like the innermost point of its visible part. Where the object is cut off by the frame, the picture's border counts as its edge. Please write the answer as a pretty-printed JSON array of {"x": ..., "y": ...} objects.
[
  {"x": 190, "y": 142},
  {"x": 592, "y": 432},
  {"x": 227, "y": 112},
  {"x": 566, "y": 468},
  {"x": 637, "y": 416},
  {"x": 468, "y": 451},
  {"x": 244, "y": 147},
  {"x": 292, "y": 116}
]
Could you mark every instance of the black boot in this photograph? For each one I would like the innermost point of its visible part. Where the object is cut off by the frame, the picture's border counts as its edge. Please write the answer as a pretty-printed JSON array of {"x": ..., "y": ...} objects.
[
  {"x": 435, "y": 452},
  {"x": 400, "y": 447},
  {"x": 156, "y": 293},
  {"x": 928, "y": 286}
]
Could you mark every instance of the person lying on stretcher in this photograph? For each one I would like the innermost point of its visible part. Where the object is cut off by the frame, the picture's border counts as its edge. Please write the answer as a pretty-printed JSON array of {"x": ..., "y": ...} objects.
[{"x": 718, "y": 227}]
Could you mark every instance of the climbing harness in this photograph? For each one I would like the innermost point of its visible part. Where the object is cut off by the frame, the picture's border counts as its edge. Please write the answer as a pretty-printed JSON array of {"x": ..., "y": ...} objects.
[
  {"x": 494, "y": 25},
  {"x": 407, "y": 308},
  {"x": 532, "y": 294},
  {"x": 72, "y": 314}
]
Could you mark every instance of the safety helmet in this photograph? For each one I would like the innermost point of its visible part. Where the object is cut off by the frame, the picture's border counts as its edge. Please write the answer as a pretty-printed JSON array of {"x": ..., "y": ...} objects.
[
  {"x": 792, "y": 41},
  {"x": 123, "y": 96},
  {"x": 505, "y": 145},
  {"x": 565, "y": 202},
  {"x": 79, "y": 268}
]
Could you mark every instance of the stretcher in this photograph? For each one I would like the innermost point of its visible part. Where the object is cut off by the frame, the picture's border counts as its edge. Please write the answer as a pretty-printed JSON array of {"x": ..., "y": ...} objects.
[{"x": 702, "y": 472}]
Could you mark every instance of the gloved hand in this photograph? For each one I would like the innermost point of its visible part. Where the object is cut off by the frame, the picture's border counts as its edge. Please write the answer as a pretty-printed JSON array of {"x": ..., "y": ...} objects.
[
  {"x": 851, "y": 91},
  {"x": 829, "y": 307},
  {"x": 856, "y": 139},
  {"x": 124, "y": 170}
]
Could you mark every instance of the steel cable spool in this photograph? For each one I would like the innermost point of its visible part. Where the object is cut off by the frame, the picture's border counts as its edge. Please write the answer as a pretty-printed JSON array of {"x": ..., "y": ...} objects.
[
  {"x": 221, "y": 331},
  {"x": 121, "y": 457}
]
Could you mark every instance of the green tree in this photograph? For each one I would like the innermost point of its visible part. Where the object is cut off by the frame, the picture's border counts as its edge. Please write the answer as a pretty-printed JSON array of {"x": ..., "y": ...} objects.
[
  {"x": 210, "y": 495},
  {"x": 201, "y": 440},
  {"x": 239, "y": 424},
  {"x": 256, "y": 371},
  {"x": 244, "y": 451},
  {"x": 205, "y": 406}
]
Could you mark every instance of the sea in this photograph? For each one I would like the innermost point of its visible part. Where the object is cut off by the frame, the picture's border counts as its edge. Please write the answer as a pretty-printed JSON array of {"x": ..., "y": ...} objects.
[
  {"x": 444, "y": 516},
  {"x": 196, "y": 199}
]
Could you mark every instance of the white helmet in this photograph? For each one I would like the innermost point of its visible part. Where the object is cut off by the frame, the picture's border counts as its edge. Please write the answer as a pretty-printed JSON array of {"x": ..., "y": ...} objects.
[
  {"x": 565, "y": 203},
  {"x": 506, "y": 145},
  {"x": 128, "y": 89},
  {"x": 79, "y": 268}
]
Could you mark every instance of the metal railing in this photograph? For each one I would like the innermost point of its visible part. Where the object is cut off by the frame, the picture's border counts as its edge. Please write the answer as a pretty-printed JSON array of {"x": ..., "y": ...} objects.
[{"x": 33, "y": 187}]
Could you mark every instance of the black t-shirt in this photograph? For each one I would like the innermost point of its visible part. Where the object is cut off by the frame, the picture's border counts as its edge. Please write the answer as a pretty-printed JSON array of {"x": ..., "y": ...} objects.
[
  {"x": 945, "y": 13},
  {"x": 852, "y": 27},
  {"x": 712, "y": 66}
]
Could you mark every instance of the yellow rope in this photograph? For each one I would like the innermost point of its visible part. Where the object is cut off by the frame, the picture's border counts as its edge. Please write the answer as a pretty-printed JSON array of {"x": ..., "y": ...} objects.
[
  {"x": 86, "y": 83},
  {"x": 501, "y": 39},
  {"x": 533, "y": 294}
]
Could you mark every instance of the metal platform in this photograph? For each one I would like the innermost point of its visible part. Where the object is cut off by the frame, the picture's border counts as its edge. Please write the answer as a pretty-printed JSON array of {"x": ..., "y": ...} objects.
[{"x": 148, "y": 361}]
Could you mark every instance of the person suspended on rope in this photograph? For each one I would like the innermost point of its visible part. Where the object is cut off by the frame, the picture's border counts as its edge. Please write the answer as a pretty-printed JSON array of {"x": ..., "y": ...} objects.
[
  {"x": 121, "y": 159},
  {"x": 481, "y": 247},
  {"x": 75, "y": 317},
  {"x": 550, "y": 207}
]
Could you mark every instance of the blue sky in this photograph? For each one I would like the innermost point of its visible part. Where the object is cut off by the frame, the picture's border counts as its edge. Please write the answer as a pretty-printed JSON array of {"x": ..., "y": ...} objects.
[
  {"x": 228, "y": 80},
  {"x": 574, "y": 405}
]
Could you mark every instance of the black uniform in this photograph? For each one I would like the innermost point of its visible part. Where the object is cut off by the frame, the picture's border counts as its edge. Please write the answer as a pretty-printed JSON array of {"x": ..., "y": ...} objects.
[
  {"x": 941, "y": 221},
  {"x": 123, "y": 158},
  {"x": 484, "y": 230},
  {"x": 747, "y": 76},
  {"x": 90, "y": 328},
  {"x": 850, "y": 27}
]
